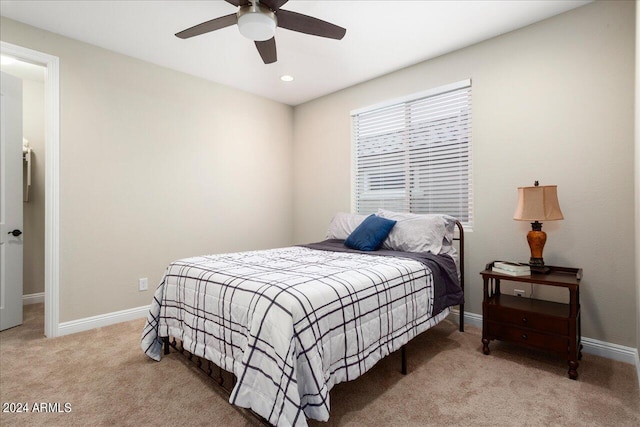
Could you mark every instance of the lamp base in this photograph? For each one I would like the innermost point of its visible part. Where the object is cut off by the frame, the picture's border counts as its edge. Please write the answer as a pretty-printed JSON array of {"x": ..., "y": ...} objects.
[
  {"x": 536, "y": 239},
  {"x": 536, "y": 262},
  {"x": 539, "y": 269}
]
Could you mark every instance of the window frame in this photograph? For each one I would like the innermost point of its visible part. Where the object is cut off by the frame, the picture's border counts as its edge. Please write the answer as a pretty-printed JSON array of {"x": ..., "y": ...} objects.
[{"x": 405, "y": 102}]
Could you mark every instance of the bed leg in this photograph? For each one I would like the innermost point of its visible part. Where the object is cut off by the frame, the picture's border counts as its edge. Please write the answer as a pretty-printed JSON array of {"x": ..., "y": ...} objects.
[
  {"x": 461, "y": 322},
  {"x": 165, "y": 340},
  {"x": 403, "y": 355}
]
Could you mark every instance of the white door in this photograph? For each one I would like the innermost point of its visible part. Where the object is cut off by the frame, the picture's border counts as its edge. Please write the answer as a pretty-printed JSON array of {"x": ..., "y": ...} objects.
[{"x": 10, "y": 202}]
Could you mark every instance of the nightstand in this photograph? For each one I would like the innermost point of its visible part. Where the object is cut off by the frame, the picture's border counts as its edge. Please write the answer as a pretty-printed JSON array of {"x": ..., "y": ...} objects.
[{"x": 535, "y": 323}]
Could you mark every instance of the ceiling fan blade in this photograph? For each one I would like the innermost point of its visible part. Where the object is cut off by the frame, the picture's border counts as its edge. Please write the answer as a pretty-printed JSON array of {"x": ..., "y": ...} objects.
[
  {"x": 206, "y": 27},
  {"x": 238, "y": 2},
  {"x": 267, "y": 50},
  {"x": 273, "y": 4},
  {"x": 309, "y": 25}
]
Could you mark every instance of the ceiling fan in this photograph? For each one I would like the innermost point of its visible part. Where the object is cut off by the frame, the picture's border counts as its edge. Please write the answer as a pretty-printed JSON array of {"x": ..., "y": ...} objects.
[{"x": 257, "y": 20}]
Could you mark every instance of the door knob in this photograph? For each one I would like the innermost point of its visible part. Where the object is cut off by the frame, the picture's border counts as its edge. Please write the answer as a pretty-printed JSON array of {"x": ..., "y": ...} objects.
[{"x": 15, "y": 232}]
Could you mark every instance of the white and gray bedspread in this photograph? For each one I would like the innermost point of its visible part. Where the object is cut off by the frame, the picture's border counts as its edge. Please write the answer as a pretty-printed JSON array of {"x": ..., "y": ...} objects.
[{"x": 292, "y": 322}]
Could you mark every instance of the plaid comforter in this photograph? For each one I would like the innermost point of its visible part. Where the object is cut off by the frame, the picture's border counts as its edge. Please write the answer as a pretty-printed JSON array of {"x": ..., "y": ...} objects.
[{"x": 292, "y": 322}]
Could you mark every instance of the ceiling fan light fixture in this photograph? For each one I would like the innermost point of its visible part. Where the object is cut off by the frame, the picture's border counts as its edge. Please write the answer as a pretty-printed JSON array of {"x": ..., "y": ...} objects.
[{"x": 257, "y": 22}]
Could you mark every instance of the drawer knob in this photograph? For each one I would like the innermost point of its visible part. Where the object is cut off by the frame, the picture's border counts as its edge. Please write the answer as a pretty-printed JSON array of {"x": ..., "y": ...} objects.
[
  {"x": 524, "y": 336},
  {"x": 524, "y": 320}
]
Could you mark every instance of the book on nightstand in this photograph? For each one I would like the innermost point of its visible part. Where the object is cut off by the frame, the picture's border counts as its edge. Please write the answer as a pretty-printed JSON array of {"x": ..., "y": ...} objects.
[
  {"x": 511, "y": 272},
  {"x": 512, "y": 266}
]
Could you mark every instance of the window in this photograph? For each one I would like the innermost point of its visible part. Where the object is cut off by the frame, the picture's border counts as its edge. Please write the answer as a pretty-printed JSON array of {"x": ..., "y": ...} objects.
[{"x": 414, "y": 154}]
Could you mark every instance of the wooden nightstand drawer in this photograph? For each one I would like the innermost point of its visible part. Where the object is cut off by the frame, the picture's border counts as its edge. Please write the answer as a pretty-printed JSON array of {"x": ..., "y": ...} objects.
[
  {"x": 555, "y": 343},
  {"x": 543, "y": 316}
]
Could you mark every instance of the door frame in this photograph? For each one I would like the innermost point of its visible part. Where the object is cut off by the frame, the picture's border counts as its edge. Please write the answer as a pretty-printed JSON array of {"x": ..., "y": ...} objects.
[{"x": 52, "y": 180}]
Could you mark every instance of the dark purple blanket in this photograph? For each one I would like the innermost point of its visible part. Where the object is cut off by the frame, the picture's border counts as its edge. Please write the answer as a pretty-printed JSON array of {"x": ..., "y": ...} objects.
[{"x": 447, "y": 288}]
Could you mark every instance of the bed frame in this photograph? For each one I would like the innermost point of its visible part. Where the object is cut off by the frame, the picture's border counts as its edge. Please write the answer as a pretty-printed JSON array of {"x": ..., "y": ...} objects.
[
  {"x": 226, "y": 380},
  {"x": 460, "y": 239}
]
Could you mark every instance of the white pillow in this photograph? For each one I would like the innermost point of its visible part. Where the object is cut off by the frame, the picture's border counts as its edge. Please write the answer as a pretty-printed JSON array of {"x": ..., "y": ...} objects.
[
  {"x": 420, "y": 233},
  {"x": 343, "y": 224}
]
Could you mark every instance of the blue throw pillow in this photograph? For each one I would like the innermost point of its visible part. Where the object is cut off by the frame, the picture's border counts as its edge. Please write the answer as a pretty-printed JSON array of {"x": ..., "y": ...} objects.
[{"x": 370, "y": 234}]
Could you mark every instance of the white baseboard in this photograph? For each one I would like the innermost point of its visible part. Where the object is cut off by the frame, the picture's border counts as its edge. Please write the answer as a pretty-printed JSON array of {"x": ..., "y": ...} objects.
[
  {"x": 610, "y": 351},
  {"x": 591, "y": 346},
  {"x": 638, "y": 364},
  {"x": 33, "y": 298},
  {"x": 74, "y": 326}
]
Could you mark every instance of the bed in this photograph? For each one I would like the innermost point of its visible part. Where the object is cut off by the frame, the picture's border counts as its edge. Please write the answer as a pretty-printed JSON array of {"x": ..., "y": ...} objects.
[{"x": 290, "y": 323}]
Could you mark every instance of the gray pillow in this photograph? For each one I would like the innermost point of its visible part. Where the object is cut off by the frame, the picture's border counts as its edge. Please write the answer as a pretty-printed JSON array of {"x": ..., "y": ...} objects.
[
  {"x": 420, "y": 233},
  {"x": 343, "y": 224}
]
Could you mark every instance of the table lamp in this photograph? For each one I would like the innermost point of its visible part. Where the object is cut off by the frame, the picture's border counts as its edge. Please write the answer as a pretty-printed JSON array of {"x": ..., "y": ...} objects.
[{"x": 537, "y": 203}]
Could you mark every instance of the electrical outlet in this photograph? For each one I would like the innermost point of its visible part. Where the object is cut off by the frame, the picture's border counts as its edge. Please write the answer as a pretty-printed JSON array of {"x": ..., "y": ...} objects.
[
  {"x": 518, "y": 292},
  {"x": 143, "y": 284}
]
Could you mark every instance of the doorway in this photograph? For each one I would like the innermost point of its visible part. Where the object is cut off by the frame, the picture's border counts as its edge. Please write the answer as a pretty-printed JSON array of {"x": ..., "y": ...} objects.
[
  {"x": 51, "y": 177},
  {"x": 32, "y": 79}
]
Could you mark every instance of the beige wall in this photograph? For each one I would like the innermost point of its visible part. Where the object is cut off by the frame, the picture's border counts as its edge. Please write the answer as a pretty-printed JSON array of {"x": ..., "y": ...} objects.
[
  {"x": 551, "y": 102},
  {"x": 156, "y": 165},
  {"x": 33, "y": 130}
]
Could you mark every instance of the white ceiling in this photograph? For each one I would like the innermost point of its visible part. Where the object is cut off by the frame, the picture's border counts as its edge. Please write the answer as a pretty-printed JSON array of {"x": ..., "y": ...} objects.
[{"x": 382, "y": 36}]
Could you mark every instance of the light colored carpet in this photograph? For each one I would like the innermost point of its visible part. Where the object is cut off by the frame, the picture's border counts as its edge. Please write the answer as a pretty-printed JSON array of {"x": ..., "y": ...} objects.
[{"x": 107, "y": 380}]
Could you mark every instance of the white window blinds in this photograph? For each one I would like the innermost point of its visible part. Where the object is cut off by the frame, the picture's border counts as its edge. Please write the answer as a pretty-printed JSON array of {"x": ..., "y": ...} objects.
[{"x": 414, "y": 154}]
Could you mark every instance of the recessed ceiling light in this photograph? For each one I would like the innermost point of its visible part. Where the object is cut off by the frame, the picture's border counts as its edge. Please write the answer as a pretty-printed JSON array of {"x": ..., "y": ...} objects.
[{"x": 286, "y": 78}]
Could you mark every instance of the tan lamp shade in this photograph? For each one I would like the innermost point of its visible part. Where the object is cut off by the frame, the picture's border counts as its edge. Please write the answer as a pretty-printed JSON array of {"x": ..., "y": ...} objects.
[{"x": 539, "y": 203}]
